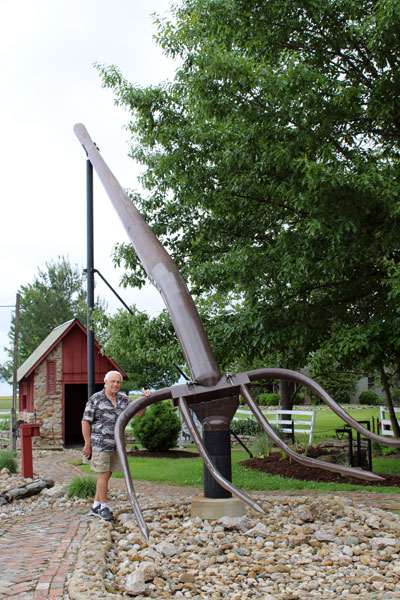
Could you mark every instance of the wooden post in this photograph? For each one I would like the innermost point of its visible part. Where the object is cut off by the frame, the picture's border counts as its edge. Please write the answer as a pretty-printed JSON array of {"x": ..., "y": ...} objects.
[{"x": 13, "y": 421}]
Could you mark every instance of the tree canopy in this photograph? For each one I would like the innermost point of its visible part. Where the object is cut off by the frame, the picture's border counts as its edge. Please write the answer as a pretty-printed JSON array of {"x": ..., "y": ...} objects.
[
  {"x": 56, "y": 295},
  {"x": 271, "y": 170},
  {"x": 142, "y": 345}
]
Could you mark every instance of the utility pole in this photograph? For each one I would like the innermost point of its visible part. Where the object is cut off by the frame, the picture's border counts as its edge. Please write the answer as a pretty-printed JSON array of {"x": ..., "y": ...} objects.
[{"x": 13, "y": 421}]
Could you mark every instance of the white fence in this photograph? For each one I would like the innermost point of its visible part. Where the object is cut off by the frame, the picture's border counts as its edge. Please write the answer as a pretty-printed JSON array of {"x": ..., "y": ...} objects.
[
  {"x": 288, "y": 421},
  {"x": 386, "y": 425}
]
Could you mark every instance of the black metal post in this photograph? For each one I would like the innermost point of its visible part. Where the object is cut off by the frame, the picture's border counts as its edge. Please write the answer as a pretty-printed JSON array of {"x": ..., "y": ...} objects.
[
  {"x": 215, "y": 417},
  {"x": 90, "y": 277},
  {"x": 351, "y": 459},
  {"x": 217, "y": 444}
]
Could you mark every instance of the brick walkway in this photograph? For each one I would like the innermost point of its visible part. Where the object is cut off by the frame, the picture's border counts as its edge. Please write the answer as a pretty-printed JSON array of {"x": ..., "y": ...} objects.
[{"x": 38, "y": 551}]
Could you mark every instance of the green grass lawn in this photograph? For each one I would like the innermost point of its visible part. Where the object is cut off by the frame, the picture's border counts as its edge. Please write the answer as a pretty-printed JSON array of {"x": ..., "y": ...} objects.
[
  {"x": 189, "y": 472},
  {"x": 326, "y": 421},
  {"x": 5, "y": 402}
]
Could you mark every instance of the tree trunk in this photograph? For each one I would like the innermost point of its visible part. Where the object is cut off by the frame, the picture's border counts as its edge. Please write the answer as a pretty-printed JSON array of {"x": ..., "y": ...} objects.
[
  {"x": 25, "y": 491},
  {"x": 389, "y": 403},
  {"x": 287, "y": 394}
]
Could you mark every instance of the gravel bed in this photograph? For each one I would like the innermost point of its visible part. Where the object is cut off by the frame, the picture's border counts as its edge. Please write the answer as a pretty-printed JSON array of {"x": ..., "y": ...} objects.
[{"x": 302, "y": 549}]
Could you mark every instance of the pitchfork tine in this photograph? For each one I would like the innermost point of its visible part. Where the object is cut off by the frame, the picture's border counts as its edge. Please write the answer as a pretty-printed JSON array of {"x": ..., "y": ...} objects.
[
  {"x": 123, "y": 419},
  {"x": 305, "y": 460},
  {"x": 319, "y": 391}
]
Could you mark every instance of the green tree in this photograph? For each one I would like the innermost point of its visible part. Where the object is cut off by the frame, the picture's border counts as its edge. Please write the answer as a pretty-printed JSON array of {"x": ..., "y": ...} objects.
[
  {"x": 340, "y": 385},
  {"x": 56, "y": 295},
  {"x": 272, "y": 171},
  {"x": 145, "y": 347}
]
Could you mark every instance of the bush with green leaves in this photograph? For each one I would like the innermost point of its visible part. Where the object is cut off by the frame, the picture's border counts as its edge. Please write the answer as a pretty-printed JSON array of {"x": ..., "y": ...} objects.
[
  {"x": 5, "y": 423},
  {"x": 269, "y": 399},
  {"x": 158, "y": 429},
  {"x": 8, "y": 461},
  {"x": 370, "y": 398},
  {"x": 396, "y": 397},
  {"x": 316, "y": 400},
  {"x": 82, "y": 487},
  {"x": 381, "y": 450},
  {"x": 245, "y": 427}
]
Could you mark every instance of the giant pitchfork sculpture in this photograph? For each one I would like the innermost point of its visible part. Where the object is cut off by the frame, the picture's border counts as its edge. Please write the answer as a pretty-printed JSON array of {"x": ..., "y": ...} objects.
[{"x": 213, "y": 397}]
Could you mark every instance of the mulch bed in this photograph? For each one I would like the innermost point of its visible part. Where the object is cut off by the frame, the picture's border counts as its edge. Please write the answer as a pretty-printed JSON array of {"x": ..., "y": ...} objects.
[{"x": 275, "y": 464}]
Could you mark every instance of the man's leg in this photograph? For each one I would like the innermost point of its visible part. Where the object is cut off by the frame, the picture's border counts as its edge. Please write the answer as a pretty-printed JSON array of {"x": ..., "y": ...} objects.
[{"x": 102, "y": 486}]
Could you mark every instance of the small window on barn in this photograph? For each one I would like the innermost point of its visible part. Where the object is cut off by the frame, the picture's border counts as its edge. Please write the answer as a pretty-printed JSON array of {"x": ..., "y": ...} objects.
[
  {"x": 371, "y": 383},
  {"x": 23, "y": 390},
  {"x": 51, "y": 377}
]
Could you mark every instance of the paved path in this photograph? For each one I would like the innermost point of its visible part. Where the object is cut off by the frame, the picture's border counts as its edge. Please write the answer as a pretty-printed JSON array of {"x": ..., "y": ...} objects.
[{"x": 38, "y": 551}]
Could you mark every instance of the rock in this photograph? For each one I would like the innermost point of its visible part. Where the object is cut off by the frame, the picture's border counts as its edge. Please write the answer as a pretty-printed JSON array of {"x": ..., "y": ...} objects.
[
  {"x": 149, "y": 570},
  {"x": 58, "y": 491},
  {"x": 231, "y": 523},
  {"x": 135, "y": 583},
  {"x": 167, "y": 549}
]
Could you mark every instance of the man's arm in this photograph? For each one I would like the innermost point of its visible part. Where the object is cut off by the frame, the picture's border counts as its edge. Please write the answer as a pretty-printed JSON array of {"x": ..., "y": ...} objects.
[
  {"x": 86, "y": 431},
  {"x": 141, "y": 412}
]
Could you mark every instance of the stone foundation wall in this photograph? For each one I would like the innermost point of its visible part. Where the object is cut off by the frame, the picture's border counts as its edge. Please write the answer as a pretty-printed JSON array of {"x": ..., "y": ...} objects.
[{"x": 48, "y": 409}]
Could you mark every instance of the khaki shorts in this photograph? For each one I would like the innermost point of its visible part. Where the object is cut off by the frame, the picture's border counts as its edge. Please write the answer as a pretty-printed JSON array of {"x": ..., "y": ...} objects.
[{"x": 105, "y": 461}]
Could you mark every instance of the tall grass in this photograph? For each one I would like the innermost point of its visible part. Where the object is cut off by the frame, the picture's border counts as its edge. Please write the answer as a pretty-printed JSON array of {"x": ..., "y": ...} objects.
[
  {"x": 4, "y": 423},
  {"x": 8, "y": 461},
  {"x": 82, "y": 487}
]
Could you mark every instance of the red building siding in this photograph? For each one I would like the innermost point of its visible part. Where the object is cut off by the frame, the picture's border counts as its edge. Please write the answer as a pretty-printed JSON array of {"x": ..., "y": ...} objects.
[
  {"x": 26, "y": 395},
  {"x": 74, "y": 352}
]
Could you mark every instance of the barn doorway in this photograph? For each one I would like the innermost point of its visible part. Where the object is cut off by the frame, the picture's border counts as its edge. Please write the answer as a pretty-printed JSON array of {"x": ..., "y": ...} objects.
[{"x": 75, "y": 398}]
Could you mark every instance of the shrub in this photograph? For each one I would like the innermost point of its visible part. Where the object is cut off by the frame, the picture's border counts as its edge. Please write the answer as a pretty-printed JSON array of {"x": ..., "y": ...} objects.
[
  {"x": 396, "y": 397},
  {"x": 245, "y": 427},
  {"x": 269, "y": 399},
  {"x": 82, "y": 487},
  {"x": 158, "y": 429},
  {"x": 5, "y": 423},
  {"x": 316, "y": 400},
  {"x": 369, "y": 398},
  {"x": 381, "y": 450},
  {"x": 8, "y": 461}
]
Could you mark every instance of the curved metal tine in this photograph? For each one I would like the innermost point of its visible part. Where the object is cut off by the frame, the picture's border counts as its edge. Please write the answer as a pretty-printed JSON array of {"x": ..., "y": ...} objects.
[
  {"x": 304, "y": 460},
  {"x": 319, "y": 390},
  {"x": 187, "y": 417},
  {"x": 122, "y": 421}
]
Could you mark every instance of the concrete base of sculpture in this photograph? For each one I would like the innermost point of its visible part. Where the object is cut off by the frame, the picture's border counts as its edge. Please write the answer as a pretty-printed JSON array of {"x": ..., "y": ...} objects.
[{"x": 215, "y": 508}]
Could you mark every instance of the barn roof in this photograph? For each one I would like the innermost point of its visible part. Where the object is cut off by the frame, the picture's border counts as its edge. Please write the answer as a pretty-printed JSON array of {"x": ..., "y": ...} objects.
[{"x": 47, "y": 346}]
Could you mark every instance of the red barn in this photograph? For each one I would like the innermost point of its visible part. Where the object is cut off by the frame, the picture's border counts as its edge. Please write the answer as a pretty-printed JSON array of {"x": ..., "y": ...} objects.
[{"x": 53, "y": 384}]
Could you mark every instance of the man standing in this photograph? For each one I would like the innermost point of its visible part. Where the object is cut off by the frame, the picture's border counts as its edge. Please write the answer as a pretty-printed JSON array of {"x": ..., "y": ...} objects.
[{"x": 98, "y": 422}]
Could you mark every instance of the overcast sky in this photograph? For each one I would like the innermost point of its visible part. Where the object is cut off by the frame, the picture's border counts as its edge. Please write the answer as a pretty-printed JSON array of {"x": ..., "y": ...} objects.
[{"x": 49, "y": 83}]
